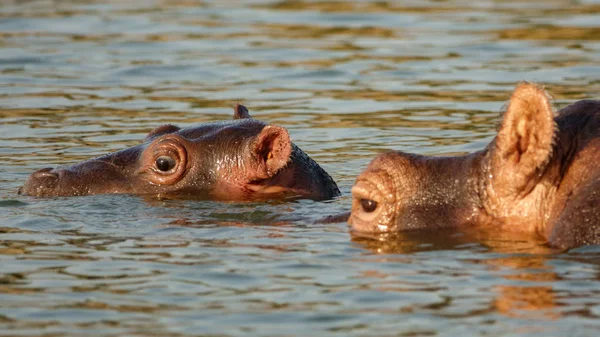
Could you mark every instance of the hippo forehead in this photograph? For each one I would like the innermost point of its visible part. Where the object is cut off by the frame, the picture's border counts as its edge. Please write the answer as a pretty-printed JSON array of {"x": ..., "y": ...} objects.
[{"x": 240, "y": 128}]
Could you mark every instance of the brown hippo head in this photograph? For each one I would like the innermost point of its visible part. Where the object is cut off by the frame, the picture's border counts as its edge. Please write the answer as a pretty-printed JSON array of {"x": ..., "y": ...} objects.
[
  {"x": 242, "y": 159},
  {"x": 540, "y": 175}
]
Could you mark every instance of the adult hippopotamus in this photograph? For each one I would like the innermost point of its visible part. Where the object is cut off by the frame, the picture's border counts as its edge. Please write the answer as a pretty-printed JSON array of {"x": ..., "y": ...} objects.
[
  {"x": 241, "y": 159},
  {"x": 540, "y": 176}
]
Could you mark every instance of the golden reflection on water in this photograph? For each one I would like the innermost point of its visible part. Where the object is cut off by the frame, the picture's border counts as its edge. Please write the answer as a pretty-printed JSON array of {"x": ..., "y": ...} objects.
[
  {"x": 551, "y": 33},
  {"x": 490, "y": 239},
  {"x": 433, "y": 6},
  {"x": 535, "y": 299},
  {"x": 528, "y": 301}
]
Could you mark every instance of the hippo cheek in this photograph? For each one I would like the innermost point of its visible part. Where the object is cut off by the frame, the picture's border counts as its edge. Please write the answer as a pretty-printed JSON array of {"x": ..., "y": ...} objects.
[{"x": 372, "y": 210}]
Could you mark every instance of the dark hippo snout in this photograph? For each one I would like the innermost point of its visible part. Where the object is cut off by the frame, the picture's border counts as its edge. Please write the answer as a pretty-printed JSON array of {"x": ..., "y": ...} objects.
[
  {"x": 91, "y": 177},
  {"x": 40, "y": 182}
]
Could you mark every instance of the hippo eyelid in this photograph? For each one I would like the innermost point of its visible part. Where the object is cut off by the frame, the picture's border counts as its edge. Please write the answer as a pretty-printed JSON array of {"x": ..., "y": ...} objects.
[
  {"x": 172, "y": 148},
  {"x": 363, "y": 192}
]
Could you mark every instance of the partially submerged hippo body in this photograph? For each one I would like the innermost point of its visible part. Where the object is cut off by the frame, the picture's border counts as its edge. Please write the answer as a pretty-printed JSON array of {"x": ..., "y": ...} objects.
[
  {"x": 242, "y": 159},
  {"x": 540, "y": 176}
]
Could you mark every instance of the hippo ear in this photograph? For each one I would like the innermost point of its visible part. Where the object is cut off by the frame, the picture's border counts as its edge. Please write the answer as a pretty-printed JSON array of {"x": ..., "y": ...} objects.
[
  {"x": 240, "y": 112},
  {"x": 161, "y": 130},
  {"x": 524, "y": 143},
  {"x": 272, "y": 148}
]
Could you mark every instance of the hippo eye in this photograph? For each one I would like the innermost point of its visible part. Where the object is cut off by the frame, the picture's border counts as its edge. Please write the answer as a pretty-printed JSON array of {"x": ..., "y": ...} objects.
[
  {"x": 368, "y": 205},
  {"x": 165, "y": 163}
]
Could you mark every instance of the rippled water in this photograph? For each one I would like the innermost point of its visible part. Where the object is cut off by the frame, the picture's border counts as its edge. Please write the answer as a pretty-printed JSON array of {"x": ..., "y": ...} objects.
[{"x": 349, "y": 80}]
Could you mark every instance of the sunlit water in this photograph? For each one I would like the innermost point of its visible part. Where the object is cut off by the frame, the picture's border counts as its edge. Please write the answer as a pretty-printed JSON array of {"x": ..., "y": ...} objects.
[{"x": 349, "y": 80}]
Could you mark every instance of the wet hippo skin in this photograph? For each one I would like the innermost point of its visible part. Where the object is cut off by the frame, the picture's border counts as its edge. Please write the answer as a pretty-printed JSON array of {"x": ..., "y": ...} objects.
[
  {"x": 241, "y": 159},
  {"x": 539, "y": 176}
]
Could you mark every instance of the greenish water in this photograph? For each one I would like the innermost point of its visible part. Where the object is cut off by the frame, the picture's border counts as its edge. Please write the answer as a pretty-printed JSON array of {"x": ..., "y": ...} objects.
[{"x": 349, "y": 80}]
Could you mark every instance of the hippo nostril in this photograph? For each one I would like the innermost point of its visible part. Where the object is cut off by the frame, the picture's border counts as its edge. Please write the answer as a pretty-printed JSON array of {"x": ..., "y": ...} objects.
[{"x": 44, "y": 174}]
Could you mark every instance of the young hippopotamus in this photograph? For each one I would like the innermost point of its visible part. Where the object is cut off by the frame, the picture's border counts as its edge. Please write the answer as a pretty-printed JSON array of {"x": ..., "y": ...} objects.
[
  {"x": 540, "y": 176},
  {"x": 242, "y": 159}
]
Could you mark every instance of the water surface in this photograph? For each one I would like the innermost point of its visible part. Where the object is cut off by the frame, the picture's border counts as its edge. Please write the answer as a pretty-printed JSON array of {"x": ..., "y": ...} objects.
[{"x": 349, "y": 80}]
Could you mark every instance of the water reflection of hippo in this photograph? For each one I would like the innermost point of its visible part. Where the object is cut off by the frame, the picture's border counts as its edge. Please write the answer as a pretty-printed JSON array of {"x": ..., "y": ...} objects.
[
  {"x": 242, "y": 159},
  {"x": 540, "y": 176}
]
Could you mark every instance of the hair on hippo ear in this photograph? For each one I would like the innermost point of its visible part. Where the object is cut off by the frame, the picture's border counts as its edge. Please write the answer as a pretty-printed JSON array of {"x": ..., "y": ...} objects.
[
  {"x": 525, "y": 140},
  {"x": 240, "y": 112},
  {"x": 272, "y": 148},
  {"x": 161, "y": 130}
]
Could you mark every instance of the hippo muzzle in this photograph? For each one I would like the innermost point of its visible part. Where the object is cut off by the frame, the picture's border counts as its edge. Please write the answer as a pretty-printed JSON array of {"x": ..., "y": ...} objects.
[{"x": 91, "y": 177}]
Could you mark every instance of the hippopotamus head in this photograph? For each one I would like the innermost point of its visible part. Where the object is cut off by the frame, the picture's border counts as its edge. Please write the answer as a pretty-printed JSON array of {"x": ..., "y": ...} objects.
[
  {"x": 242, "y": 159},
  {"x": 539, "y": 175}
]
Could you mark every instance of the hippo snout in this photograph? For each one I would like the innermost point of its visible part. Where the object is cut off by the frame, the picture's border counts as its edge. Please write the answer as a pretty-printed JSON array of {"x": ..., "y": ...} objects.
[
  {"x": 40, "y": 182},
  {"x": 91, "y": 177}
]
